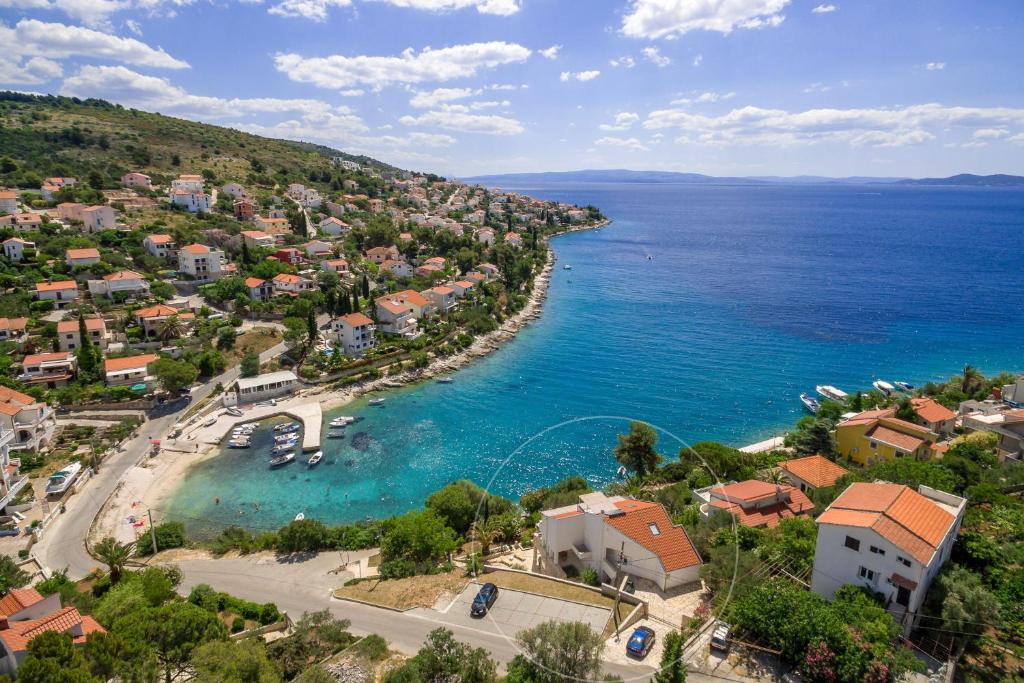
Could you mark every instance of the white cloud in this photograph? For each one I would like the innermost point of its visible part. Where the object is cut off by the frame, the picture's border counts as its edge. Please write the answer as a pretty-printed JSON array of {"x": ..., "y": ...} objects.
[
  {"x": 703, "y": 98},
  {"x": 857, "y": 127},
  {"x": 627, "y": 143},
  {"x": 314, "y": 10},
  {"x": 34, "y": 71},
  {"x": 624, "y": 120},
  {"x": 1017, "y": 139},
  {"x": 579, "y": 75},
  {"x": 550, "y": 52},
  {"x": 935, "y": 66},
  {"x": 824, "y": 9},
  {"x": 698, "y": 60},
  {"x": 428, "y": 65},
  {"x": 990, "y": 133},
  {"x": 457, "y": 118},
  {"x": 122, "y": 85},
  {"x": 352, "y": 92},
  {"x": 133, "y": 26},
  {"x": 624, "y": 62},
  {"x": 506, "y": 86},
  {"x": 33, "y": 38},
  {"x": 653, "y": 55},
  {"x": 432, "y": 98},
  {"x": 654, "y": 19},
  {"x": 489, "y": 104},
  {"x": 502, "y": 8}
]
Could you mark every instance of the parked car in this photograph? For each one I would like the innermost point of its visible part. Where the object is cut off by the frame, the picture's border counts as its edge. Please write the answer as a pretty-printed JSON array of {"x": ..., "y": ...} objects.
[
  {"x": 720, "y": 637},
  {"x": 641, "y": 642},
  {"x": 484, "y": 600}
]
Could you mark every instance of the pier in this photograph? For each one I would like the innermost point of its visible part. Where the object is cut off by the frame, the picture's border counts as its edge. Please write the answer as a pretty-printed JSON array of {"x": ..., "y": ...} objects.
[
  {"x": 307, "y": 412},
  {"x": 772, "y": 444}
]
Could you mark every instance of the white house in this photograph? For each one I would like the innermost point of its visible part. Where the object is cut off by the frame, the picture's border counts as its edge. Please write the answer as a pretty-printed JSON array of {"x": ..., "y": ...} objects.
[
  {"x": 129, "y": 371},
  {"x": 123, "y": 281},
  {"x": 889, "y": 538},
  {"x": 201, "y": 262},
  {"x": 397, "y": 268},
  {"x": 96, "y": 218},
  {"x": 25, "y": 613},
  {"x": 333, "y": 226},
  {"x": 82, "y": 257},
  {"x": 286, "y": 283},
  {"x": 60, "y": 292},
  {"x": 14, "y": 248},
  {"x": 258, "y": 238},
  {"x": 32, "y": 422},
  {"x": 356, "y": 334},
  {"x": 69, "y": 339},
  {"x": 335, "y": 265},
  {"x": 235, "y": 191},
  {"x": 151, "y": 319},
  {"x": 616, "y": 536},
  {"x": 191, "y": 201},
  {"x": 485, "y": 236},
  {"x": 137, "y": 181},
  {"x": 48, "y": 369},
  {"x": 317, "y": 249},
  {"x": 514, "y": 239},
  {"x": 261, "y": 387},
  {"x": 259, "y": 290},
  {"x": 395, "y": 317},
  {"x": 188, "y": 183},
  {"x": 160, "y": 246},
  {"x": 443, "y": 298}
]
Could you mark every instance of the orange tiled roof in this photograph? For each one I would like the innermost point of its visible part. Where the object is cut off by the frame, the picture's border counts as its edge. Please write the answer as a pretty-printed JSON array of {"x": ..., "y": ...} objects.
[
  {"x": 930, "y": 410},
  {"x": 196, "y": 249},
  {"x": 35, "y": 358},
  {"x": 252, "y": 282},
  {"x": 122, "y": 275},
  {"x": 893, "y": 438},
  {"x": 160, "y": 239},
  {"x": 899, "y": 514},
  {"x": 18, "y": 634},
  {"x": 56, "y": 286},
  {"x": 13, "y": 324},
  {"x": 869, "y": 416},
  {"x": 18, "y": 599},
  {"x": 287, "y": 278},
  {"x": 816, "y": 470},
  {"x": 129, "y": 363},
  {"x": 413, "y": 297},
  {"x": 83, "y": 253},
  {"x": 740, "y": 498},
  {"x": 671, "y": 544},
  {"x": 443, "y": 291},
  {"x": 255, "y": 234},
  {"x": 392, "y": 306},
  {"x": 65, "y": 326},
  {"x": 156, "y": 311},
  {"x": 356, "y": 319}
]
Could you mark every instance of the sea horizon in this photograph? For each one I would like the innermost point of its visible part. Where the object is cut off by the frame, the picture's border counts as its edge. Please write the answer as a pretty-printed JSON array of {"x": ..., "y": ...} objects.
[{"x": 705, "y": 310}]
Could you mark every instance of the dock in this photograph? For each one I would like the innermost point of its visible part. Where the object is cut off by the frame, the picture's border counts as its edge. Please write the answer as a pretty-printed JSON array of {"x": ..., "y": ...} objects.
[
  {"x": 772, "y": 444},
  {"x": 307, "y": 412}
]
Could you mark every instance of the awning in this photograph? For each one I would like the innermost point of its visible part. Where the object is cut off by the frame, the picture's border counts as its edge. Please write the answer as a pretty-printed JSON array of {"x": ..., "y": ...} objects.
[{"x": 903, "y": 582}]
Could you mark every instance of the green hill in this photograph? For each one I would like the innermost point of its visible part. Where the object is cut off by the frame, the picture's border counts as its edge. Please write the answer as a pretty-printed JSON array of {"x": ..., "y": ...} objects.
[{"x": 45, "y": 135}]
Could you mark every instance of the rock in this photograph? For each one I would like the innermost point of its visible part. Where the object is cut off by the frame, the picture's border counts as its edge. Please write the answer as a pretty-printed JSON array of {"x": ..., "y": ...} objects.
[{"x": 348, "y": 671}]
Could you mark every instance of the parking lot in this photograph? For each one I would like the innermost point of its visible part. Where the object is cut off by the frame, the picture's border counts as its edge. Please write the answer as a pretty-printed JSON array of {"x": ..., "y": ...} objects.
[{"x": 515, "y": 610}]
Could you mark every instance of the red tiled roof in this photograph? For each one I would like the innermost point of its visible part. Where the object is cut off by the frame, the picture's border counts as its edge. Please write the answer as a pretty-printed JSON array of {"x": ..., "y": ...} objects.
[
  {"x": 83, "y": 253},
  {"x": 160, "y": 239},
  {"x": 18, "y": 634},
  {"x": 893, "y": 438},
  {"x": 18, "y": 599},
  {"x": 287, "y": 278},
  {"x": 413, "y": 297},
  {"x": 122, "y": 275},
  {"x": 739, "y": 501},
  {"x": 253, "y": 282},
  {"x": 196, "y": 249},
  {"x": 13, "y": 324},
  {"x": 65, "y": 326},
  {"x": 931, "y": 410},
  {"x": 129, "y": 363},
  {"x": 156, "y": 311},
  {"x": 356, "y": 319},
  {"x": 56, "y": 286},
  {"x": 671, "y": 544},
  {"x": 37, "y": 358},
  {"x": 392, "y": 306},
  {"x": 816, "y": 470}
]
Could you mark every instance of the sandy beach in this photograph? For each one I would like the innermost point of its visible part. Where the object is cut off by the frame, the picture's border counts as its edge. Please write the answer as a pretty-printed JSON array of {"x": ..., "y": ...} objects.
[{"x": 149, "y": 485}]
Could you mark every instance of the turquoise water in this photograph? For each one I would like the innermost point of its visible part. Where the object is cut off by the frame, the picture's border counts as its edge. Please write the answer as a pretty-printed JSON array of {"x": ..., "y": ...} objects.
[{"x": 704, "y": 310}]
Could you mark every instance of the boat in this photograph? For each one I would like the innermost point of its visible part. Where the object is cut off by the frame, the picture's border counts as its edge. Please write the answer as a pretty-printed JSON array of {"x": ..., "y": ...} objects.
[
  {"x": 286, "y": 428},
  {"x": 210, "y": 422},
  {"x": 830, "y": 392},
  {"x": 335, "y": 435},
  {"x": 342, "y": 421},
  {"x": 61, "y": 481},
  {"x": 315, "y": 458},
  {"x": 234, "y": 411},
  {"x": 905, "y": 386},
  {"x": 621, "y": 471},
  {"x": 566, "y": 267},
  {"x": 299, "y": 517},
  {"x": 883, "y": 386},
  {"x": 376, "y": 401},
  {"x": 283, "y": 448},
  {"x": 445, "y": 380},
  {"x": 243, "y": 430},
  {"x": 282, "y": 460},
  {"x": 239, "y": 443},
  {"x": 286, "y": 438},
  {"x": 810, "y": 403}
]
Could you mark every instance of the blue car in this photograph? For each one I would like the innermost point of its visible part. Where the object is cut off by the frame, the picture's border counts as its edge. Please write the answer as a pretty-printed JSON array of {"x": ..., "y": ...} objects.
[
  {"x": 484, "y": 600},
  {"x": 640, "y": 643}
]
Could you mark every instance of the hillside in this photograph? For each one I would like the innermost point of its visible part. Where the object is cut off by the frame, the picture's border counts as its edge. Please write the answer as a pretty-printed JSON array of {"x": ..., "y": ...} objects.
[
  {"x": 971, "y": 180},
  {"x": 57, "y": 136}
]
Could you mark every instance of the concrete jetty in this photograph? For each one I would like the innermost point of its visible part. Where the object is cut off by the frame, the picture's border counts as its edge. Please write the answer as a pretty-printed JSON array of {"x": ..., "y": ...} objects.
[
  {"x": 766, "y": 445},
  {"x": 306, "y": 411}
]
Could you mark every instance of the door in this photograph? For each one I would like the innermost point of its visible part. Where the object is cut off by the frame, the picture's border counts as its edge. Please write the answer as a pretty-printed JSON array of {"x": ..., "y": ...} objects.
[{"x": 902, "y": 596}]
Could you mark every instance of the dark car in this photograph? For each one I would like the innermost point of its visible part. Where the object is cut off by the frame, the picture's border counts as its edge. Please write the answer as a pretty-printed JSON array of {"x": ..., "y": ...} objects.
[
  {"x": 641, "y": 642},
  {"x": 484, "y": 600}
]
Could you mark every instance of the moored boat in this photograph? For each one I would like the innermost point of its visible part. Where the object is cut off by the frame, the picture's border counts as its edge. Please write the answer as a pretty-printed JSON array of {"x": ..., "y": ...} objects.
[
  {"x": 315, "y": 458},
  {"x": 283, "y": 427},
  {"x": 566, "y": 267},
  {"x": 282, "y": 460},
  {"x": 830, "y": 392},
  {"x": 883, "y": 386},
  {"x": 234, "y": 411},
  {"x": 810, "y": 403},
  {"x": 375, "y": 401},
  {"x": 342, "y": 421},
  {"x": 445, "y": 380},
  {"x": 905, "y": 386},
  {"x": 283, "y": 448},
  {"x": 336, "y": 435},
  {"x": 288, "y": 429},
  {"x": 239, "y": 443},
  {"x": 299, "y": 517}
]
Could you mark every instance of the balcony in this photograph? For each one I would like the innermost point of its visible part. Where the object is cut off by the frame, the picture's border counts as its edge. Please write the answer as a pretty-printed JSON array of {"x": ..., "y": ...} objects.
[
  {"x": 581, "y": 552},
  {"x": 13, "y": 491}
]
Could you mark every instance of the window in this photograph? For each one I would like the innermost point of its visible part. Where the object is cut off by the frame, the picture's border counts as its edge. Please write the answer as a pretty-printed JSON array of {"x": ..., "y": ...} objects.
[
  {"x": 654, "y": 529},
  {"x": 877, "y": 551},
  {"x": 904, "y": 561},
  {"x": 874, "y": 445},
  {"x": 852, "y": 543},
  {"x": 866, "y": 573}
]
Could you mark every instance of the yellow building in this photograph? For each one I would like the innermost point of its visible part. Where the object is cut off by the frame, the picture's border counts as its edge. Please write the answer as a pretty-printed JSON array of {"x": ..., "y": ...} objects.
[{"x": 877, "y": 435}]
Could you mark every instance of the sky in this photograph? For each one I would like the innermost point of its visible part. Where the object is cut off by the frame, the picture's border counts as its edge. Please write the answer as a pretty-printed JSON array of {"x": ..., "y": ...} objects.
[{"x": 467, "y": 87}]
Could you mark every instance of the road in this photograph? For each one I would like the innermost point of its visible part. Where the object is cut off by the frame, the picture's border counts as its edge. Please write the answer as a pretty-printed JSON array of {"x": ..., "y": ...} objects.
[{"x": 63, "y": 544}]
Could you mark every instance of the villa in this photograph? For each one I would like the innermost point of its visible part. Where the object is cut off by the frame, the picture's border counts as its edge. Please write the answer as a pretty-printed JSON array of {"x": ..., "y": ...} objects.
[
  {"x": 82, "y": 257},
  {"x": 811, "y": 472},
  {"x": 60, "y": 292},
  {"x": 395, "y": 317},
  {"x": 935, "y": 416},
  {"x": 333, "y": 226},
  {"x": 616, "y": 536},
  {"x": 151, "y": 319},
  {"x": 1007, "y": 425},
  {"x": 137, "y": 181},
  {"x": 188, "y": 183},
  {"x": 397, "y": 268},
  {"x": 260, "y": 290},
  {"x": 8, "y": 202},
  {"x": 235, "y": 191},
  {"x": 877, "y": 435},
  {"x": 756, "y": 504},
  {"x": 485, "y": 236},
  {"x": 273, "y": 226},
  {"x": 200, "y": 262},
  {"x": 160, "y": 246},
  {"x": 379, "y": 255},
  {"x": 289, "y": 255},
  {"x": 70, "y": 211},
  {"x": 261, "y": 387},
  {"x": 336, "y": 265},
  {"x": 889, "y": 538},
  {"x": 126, "y": 282},
  {"x": 191, "y": 200},
  {"x": 13, "y": 329},
  {"x": 443, "y": 298},
  {"x": 68, "y": 333},
  {"x": 355, "y": 333},
  {"x": 461, "y": 288},
  {"x": 428, "y": 270},
  {"x": 420, "y": 306},
  {"x": 25, "y": 613},
  {"x": 97, "y": 218},
  {"x": 292, "y": 285},
  {"x": 514, "y": 239},
  {"x": 25, "y": 222},
  {"x": 318, "y": 249},
  {"x": 489, "y": 270},
  {"x": 49, "y": 369},
  {"x": 129, "y": 371},
  {"x": 32, "y": 422},
  {"x": 258, "y": 238},
  {"x": 15, "y": 248}
]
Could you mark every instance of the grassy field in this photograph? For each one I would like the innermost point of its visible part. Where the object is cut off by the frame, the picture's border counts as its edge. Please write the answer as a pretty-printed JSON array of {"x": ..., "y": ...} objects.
[
  {"x": 415, "y": 591},
  {"x": 256, "y": 340}
]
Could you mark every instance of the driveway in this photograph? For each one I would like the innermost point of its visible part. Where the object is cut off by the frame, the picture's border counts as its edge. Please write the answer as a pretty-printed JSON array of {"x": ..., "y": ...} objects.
[{"x": 515, "y": 611}]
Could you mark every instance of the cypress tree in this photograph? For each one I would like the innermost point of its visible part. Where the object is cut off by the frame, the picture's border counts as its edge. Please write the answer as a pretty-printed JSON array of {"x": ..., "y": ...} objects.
[
  {"x": 87, "y": 358},
  {"x": 366, "y": 286}
]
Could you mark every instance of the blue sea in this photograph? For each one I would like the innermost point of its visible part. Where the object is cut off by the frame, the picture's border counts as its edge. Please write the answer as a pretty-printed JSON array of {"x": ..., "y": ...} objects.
[{"x": 705, "y": 310}]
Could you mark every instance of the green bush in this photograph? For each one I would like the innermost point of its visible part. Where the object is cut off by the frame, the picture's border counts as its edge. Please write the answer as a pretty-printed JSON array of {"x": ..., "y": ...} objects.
[
  {"x": 237, "y": 625},
  {"x": 373, "y": 647},
  {"x": 397, "y": 569},
  {"x": 590, "y": 577}
]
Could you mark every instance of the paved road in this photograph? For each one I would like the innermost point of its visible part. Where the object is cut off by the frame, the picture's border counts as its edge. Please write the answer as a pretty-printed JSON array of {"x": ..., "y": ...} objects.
[{"x": 63, "y": 544}]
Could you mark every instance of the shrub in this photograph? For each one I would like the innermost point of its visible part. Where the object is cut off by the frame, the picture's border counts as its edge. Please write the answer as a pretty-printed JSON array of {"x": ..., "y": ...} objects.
[
  {"x": 237, "y": 625},
  {"x": 397, "y": 569},
  {"x": 373, "y": 647},
  {"x": 590, "y": 577}
]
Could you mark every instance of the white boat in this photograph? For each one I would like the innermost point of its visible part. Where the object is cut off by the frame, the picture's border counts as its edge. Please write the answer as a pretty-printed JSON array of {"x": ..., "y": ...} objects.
[
  {"x": 299, "y": 517},
  {"x": 883, "y": 386},
  {"x": 283, "y": 448},
  {"x": 831, "y": 393},
  {"x": 375, "y": 401},
  {"x": 282, "y": 460},
  {"x": 239, "y": 443},
  {"x": 286, "y": 428},
  {"x": 61, "y": 481},
  {"x": 342, "y": 421},
  {"x": 335, "y": 435},
  {"x": 812, "y": 404},
  {"x": 286, "y": 438},
  {"x": 905, "y": 386},
  {"x": 445, "y": 380},
  {"x": 566, "y": 267},
  {"x": 234, "y": 411},
  {"x": 315, "y": 458},
  {"x": 243, "y": 430},
  {"x": 210, "y": 422}
]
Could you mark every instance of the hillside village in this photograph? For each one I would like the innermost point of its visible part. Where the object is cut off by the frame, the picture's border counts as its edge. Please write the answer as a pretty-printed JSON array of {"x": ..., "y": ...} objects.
[{"x": 879, "y": 539}]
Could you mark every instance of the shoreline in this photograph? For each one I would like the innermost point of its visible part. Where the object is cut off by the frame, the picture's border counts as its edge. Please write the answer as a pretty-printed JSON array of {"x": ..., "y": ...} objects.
[{"x": 152, "y": 483}]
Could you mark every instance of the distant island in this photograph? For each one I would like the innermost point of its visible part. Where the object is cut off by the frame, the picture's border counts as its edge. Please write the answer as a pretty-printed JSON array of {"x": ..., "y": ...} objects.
[{"x": 667, "y": 177}]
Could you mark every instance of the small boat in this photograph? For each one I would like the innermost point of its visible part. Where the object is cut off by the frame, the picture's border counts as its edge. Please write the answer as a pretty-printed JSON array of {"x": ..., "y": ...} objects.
[
  {"x": 286, "y": 438},
  {"x": 286, "y": 428},
  {"x": 61, "y": 481},
  {"x": 210, "y": 422},
  {"x": 299, "y": 517},
  {"x": 243, "y": 430},
  {"x": 335, "y": 435},
  {"x": 282, "y": 460},
  {"x": 234, "y": 411},
  {"x": 830, "y": 392},
  {"x": 566, "y": 267},
  {"x": 239, "y": 443},
  {"x": 904, "y": 386},
  {"x": 315, "y": 458},
  {"x": 445, "y": 380},
  {"x": 283, "y": 448},
  {"x": 342, "y": 421},
  {"x": 376, "y": 401},
  {"x": 810, "y": 403},
  {"x": 883, "y": 386},
  {"x": 621, "y": 471}
]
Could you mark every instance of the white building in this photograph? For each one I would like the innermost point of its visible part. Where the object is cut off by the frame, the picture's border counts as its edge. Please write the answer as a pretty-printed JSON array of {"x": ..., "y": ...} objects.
[
  {"x": 8, "y": 202},
  {"x": 188, "y": 183},
  {"x": 96, "y": 218},
  {"x": 129, "y": 371},
  {"x": 32, "y": 422},
  {"x": 12, "y": 481},
  {"x": 160, "y": 246},
  {"x": 82, "y": 257},
  {"x": 258, "y": 238},
  {"x": 615, "y": 536},
  {"x": 235, "y": 191},
  {"x": 889, "y": 538},
  {"x": 356, "y": 334},
  {"x": 261, "y": 387},
  {"x": 286, "y": 283},
  {"x": 191, "y": 201},
  {"x": 137, "y": 181},
  {"x": 68, "y": 333},
  {"x": 125, "y": 282},
  {"x": 201, "y": 262},
  {"x": 442, "y": 297},
  {"x": 395, "y": 317},
  {"x": 59, "y": 292},
  {"x": 333, "y": 226},
  {"x": 14, "y": 248}
]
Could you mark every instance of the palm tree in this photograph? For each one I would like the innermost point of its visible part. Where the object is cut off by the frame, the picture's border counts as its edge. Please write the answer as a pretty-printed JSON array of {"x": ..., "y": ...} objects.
[
  {"x": 971, "y": 379},
  {"x": 115, "y": 555},
  {"x": 486, "y": 532},
  {"x": 172, "y": 327}
]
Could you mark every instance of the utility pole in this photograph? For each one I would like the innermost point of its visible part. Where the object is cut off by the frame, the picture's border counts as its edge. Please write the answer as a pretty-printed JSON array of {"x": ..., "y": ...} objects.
[{"x": 152, "y": 529}]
